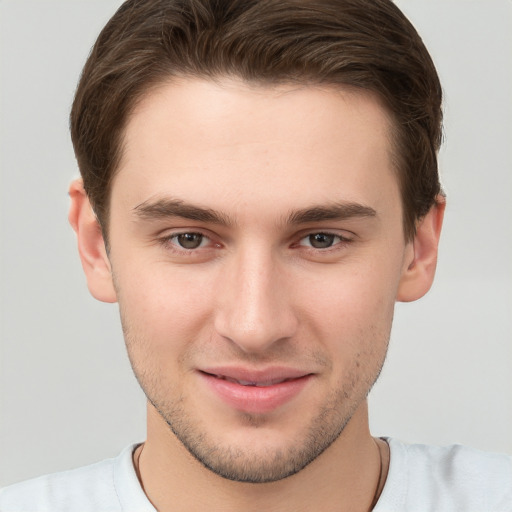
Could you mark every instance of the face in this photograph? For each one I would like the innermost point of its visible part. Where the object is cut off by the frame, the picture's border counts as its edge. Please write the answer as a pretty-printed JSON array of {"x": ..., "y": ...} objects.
[{"x": 257, "y": 249}]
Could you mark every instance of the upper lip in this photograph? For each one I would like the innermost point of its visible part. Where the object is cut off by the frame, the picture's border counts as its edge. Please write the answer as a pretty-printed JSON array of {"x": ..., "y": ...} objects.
[{"x": 268, "y": 376}]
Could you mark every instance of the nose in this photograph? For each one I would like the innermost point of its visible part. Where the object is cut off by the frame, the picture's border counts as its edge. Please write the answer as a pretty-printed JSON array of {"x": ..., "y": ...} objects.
[{"x": 255, "y": 309}]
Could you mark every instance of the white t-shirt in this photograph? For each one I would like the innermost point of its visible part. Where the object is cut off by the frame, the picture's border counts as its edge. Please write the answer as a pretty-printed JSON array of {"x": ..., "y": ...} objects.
[{"x": 421, "y": 479}]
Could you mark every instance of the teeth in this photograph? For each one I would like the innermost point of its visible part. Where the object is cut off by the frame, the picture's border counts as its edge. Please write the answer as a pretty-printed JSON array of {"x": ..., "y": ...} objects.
[
  {"x": 251, "y": 383},
  {"x": 265, "y": 384},
  {"x": 244, "y": 382}
]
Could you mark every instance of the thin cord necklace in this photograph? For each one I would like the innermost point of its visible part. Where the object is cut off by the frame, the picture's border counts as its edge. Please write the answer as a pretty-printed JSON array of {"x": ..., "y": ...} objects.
[
  {"x": 379, "y": 481},
  {"x": 137, "y": 464},
  {"x": 375, "y": 494}
]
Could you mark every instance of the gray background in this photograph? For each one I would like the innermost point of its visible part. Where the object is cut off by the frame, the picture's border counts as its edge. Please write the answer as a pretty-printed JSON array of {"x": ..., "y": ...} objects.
[{"x": 67, "y": 396}]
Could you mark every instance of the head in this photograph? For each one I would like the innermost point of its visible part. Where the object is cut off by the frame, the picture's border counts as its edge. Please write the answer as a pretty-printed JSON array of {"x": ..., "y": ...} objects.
[
  {"x": 265, "y": 173},
  {"x": 356, "y": 44}
]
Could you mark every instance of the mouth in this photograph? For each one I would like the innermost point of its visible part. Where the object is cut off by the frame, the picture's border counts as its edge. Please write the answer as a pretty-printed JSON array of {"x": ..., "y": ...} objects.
[
  {"x": 260, "y": 383},
  {"x": 255, "y": 392}
]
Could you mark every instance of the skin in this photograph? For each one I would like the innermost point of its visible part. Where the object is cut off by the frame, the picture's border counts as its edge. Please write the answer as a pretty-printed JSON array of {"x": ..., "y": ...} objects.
[{"x": 256, "y": 293}]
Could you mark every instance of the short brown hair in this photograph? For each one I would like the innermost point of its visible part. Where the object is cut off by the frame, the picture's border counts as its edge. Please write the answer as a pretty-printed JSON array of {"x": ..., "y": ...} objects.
[{"x": 368, "y": 44}]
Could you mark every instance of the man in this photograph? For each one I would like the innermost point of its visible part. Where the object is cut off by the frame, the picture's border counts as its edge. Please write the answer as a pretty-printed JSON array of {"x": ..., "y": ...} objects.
[{"x": 259, "y": 187}]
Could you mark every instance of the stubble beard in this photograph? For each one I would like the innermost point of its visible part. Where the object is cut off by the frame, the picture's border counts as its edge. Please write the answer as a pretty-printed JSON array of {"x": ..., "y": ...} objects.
[{"x": 242, "y": 464}]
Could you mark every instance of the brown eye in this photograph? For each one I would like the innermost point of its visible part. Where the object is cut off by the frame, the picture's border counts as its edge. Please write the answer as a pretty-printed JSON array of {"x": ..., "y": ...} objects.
[
  {"x": 189, "y": 240},
  {"x": 321, "y": 240}
]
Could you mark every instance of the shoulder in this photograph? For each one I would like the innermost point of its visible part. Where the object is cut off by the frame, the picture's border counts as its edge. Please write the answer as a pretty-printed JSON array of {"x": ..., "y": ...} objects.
[
  {"x": 448, "y": 478},
  {"x": 59, "y": 491},
  {"x": 87, "y": 489}
]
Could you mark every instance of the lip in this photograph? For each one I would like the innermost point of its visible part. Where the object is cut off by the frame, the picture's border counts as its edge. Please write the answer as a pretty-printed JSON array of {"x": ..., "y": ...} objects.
[{"x": 255, "y": 391}]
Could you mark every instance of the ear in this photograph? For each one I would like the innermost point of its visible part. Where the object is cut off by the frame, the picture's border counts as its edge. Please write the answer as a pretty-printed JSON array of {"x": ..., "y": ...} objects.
[
  {"x": 421, "y": 255},
  {"x": 91, "y": 245}
]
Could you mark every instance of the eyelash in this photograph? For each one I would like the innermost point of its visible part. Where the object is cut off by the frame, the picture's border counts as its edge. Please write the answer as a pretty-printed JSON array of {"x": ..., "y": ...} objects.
[
  {"x": 342, "y": 240},
  {"x": 167, "y": 242}
]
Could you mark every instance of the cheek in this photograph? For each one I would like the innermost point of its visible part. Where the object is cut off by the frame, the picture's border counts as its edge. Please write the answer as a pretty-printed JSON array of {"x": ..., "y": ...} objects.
[
  {"x": 350, "y": 298},
  {"x": 167, "y": 307},
  {"x": 350, "y": 312}
]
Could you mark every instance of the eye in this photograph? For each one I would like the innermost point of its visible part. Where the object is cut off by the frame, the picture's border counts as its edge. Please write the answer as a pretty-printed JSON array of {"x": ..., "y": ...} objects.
[
  {"x": 189, "y": 240},
  {"x": 321, "y": 240}
]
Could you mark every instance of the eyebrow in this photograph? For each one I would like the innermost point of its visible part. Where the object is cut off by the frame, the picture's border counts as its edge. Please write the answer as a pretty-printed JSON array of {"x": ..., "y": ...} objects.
[
  {"x": 165, "y": 208},
  {"x": 168, "y": 207},
  {"x": 336, "y": 211}
]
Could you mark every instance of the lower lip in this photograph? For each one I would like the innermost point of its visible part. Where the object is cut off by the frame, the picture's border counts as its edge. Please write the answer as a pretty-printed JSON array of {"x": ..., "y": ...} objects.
[{"x": 254, "y": 399}]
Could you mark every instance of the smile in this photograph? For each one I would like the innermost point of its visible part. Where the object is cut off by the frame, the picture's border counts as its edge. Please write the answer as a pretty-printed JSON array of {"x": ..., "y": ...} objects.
[
  {"x": 261, "y": 384},
  {"x": 255, "y": 392}
]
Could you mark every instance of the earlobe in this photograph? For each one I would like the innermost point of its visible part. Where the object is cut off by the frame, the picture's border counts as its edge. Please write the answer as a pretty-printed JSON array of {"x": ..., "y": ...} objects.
[
  {"x": 421, "y": 260},
  {"x": 91, "y": 245}
]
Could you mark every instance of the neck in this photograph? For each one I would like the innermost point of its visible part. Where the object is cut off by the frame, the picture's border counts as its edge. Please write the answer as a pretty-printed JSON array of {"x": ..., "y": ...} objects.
[{"x": 348, "y": 476}]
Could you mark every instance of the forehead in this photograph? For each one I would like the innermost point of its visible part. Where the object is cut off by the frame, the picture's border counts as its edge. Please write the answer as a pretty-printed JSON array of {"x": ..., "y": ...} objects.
[{"x": 229, "y": 143}]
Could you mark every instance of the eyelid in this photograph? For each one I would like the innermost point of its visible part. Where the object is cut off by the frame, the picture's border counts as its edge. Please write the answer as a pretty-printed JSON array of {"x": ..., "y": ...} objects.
[
  {"x": 173, "y": 239},
  {"x": 342, "y": 234},
  {"x": 340, "y": 244},
  {"x": 167, "y": 237}
]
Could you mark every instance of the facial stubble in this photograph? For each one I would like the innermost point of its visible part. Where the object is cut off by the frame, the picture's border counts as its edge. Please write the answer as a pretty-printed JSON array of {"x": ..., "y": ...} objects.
[{"x": 241, "y": 464}]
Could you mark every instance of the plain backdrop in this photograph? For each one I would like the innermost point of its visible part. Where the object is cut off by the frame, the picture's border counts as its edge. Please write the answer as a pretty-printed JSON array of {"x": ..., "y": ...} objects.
[{"x": 67, "y": 395}]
